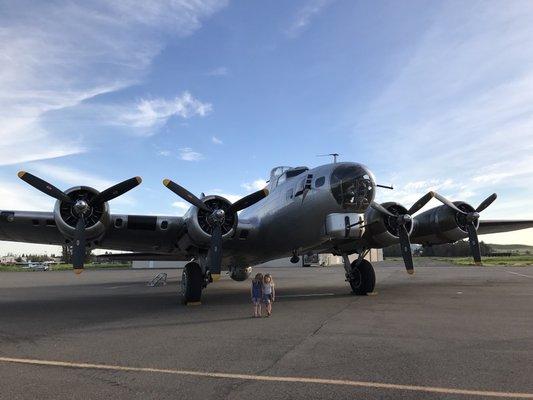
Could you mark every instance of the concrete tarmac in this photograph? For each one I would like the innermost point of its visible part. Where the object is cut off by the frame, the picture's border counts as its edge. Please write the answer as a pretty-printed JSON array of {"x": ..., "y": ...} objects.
[{"x": 445, "y": 333}]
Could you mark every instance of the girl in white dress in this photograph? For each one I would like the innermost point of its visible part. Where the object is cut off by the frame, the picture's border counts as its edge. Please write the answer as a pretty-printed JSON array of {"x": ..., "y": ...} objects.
[{"x": 269, "y": 294}]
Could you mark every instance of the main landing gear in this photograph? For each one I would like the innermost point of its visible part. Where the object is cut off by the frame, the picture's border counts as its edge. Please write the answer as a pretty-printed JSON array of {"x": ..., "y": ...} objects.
[
  {"x": 193, "y": 280},
  {"x": 360, "y": 275}
]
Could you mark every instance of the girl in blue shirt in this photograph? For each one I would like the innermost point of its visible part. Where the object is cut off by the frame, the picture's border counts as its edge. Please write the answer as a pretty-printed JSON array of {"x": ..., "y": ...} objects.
[{"x": 257, "y": 294}]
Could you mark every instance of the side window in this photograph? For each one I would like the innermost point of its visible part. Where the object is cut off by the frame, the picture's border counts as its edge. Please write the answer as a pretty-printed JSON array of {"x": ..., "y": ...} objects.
[
  {"x": 320, "y": 181},
  {"x": 289, "y": 194}
]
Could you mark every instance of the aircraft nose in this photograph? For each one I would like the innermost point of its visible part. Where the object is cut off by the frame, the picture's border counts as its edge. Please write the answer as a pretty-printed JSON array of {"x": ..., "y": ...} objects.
[{"x": 353, "y": 186}]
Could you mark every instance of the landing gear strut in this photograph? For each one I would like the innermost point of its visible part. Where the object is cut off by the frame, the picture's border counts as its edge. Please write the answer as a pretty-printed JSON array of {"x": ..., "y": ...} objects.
[
  {"x": 192, "y": 282},
  {"x": 360, "y": 274}
]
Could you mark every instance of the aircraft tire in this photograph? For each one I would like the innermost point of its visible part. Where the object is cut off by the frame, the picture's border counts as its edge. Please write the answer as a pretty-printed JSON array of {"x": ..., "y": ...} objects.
[
  {"x": 191, "y": 283},
  {"x": 364, "y": 278}
]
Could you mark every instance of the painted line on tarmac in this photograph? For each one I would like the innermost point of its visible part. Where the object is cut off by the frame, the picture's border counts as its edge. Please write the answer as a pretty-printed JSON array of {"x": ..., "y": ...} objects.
[
  {"x": 306, "y": 295},
  {"x": 516, "y": 273},
  {"x": 268, "y": 378}
]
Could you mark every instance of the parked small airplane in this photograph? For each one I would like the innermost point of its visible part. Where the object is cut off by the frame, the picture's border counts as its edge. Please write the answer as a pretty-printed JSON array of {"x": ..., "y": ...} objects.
[{"x": 327, "y": 209}]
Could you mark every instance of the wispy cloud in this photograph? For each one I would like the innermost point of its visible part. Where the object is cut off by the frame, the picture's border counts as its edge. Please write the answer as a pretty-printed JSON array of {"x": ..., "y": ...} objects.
[
  {"x": 230, "y": 196},
  {"x": 257, "y": 184},
  {"x": 59, "y": 54},
  {"x": 58, "y": 175},
  {"x": 460, "y": 107},
  {"x": 148, "y": 114},
  {"x": 219, "y": 71},
  {"x": 304, "y": 16},
  {"x": 181, "y": 206},
  {"x": 216, "y": 140},
  {"x": 188, "y": 154}
]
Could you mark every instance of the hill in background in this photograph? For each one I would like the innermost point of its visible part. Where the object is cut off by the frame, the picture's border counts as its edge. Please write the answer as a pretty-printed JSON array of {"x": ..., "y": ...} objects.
[{"x": 513, "y": 248}]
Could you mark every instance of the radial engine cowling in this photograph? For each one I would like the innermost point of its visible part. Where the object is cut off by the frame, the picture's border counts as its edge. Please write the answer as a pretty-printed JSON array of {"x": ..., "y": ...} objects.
[
  {"x": 442, "y": 225},
  {"x": 200, "y": 223},
  {"x": 96, "y": 217},
  {"x": 382, "y": 230}
]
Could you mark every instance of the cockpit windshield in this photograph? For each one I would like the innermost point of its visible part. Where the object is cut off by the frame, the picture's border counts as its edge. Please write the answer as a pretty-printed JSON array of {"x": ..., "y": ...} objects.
[
  {"x": 278, "y": 175},
  {"x": 277, "y": 172},
  {"x": 353, "y": 186}
]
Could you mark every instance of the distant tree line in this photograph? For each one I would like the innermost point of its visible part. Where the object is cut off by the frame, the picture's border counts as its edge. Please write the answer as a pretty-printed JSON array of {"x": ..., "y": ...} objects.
[
  {"x": 66, "y": 255},
  {"x": 457, "y": 249}
]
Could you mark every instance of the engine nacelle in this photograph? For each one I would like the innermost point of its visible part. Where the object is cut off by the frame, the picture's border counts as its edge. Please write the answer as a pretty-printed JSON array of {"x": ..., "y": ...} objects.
[
  {"x": 382, "y": 230},
  {"x": 441, "y": 225},
  {"x": 96, "y": 219},
  {"x": 199, "y": 225},
  {"x": 240, "y": 274}
]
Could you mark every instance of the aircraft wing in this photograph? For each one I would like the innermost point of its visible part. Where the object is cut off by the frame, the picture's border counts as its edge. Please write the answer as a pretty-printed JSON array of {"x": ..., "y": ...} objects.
[
  {"x": 497, "y": 226},
  {"x": 29, "y": 227},
  {"x": 138, "y": 233}
]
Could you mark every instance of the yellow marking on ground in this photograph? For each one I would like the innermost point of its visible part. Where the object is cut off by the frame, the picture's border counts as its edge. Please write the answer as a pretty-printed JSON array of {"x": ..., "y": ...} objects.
[
  {"x": 194, "y": 303},
  {"x": 372, "y": 294},
  {"x": 268, "y": 378},
  {"x": 215, "y": 277}
]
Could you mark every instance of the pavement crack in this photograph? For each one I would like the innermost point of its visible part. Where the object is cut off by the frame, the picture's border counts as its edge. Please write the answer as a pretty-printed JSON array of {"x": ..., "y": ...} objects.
[{"x": 292, "y": 348}]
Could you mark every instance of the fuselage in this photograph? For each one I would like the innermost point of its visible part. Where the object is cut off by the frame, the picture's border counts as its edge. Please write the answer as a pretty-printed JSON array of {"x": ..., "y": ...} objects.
[{"x": 291, "y": 219}]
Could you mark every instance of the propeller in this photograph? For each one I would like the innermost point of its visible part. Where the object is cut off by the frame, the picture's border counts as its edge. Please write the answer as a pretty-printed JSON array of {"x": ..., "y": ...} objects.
[
  {"x": 80, "y": 207},
  {"x": 469, "y": 219},
  {"x": 216, "y": 218},
  {"x": 399, "y": 222}
]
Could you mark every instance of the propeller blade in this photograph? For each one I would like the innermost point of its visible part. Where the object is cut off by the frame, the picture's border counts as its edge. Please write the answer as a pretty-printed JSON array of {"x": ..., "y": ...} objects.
[
  {"x": 78, "y": 248},
  {"x": 214, "y": 256},
  {"x": 249, "y": 200},
  {"x": 447, "y": 202},
  {"x": 381, "y": 209},
  {"x": 420, "y": 203},
  {"x": 487, "y": 202},
  {"x": 44, "y": 186},
  {"x": 474, "y": 243},
  {"x": 186, "y": 195},
  {"x": 405, "y": 245},
  {"x": 116, "y": 190}
]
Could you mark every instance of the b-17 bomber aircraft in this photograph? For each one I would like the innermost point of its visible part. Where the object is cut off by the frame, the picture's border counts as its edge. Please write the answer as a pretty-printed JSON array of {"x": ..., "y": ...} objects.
[{"x": 327, "y": 209}]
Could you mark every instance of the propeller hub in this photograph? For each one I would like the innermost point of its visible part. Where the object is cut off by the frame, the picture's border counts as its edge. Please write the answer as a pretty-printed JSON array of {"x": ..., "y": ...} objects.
[
  {"x": 218, "y": 216},
  {"x": 81, "y": 207},
  {"x": 472, "y": 216},
  {"x": 404, "y": 219}
]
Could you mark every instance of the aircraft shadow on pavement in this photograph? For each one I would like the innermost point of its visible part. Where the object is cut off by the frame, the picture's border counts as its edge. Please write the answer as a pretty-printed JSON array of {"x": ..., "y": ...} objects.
[{"x": 63, "y": 306}]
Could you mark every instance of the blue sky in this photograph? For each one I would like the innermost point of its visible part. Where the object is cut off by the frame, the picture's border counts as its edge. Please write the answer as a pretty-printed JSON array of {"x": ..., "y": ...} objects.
[{"x": 430, "y": 95}]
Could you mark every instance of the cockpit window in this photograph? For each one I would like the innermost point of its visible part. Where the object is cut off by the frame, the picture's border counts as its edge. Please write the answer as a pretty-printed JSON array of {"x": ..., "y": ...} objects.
[{"x": 353, "y": 187}]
